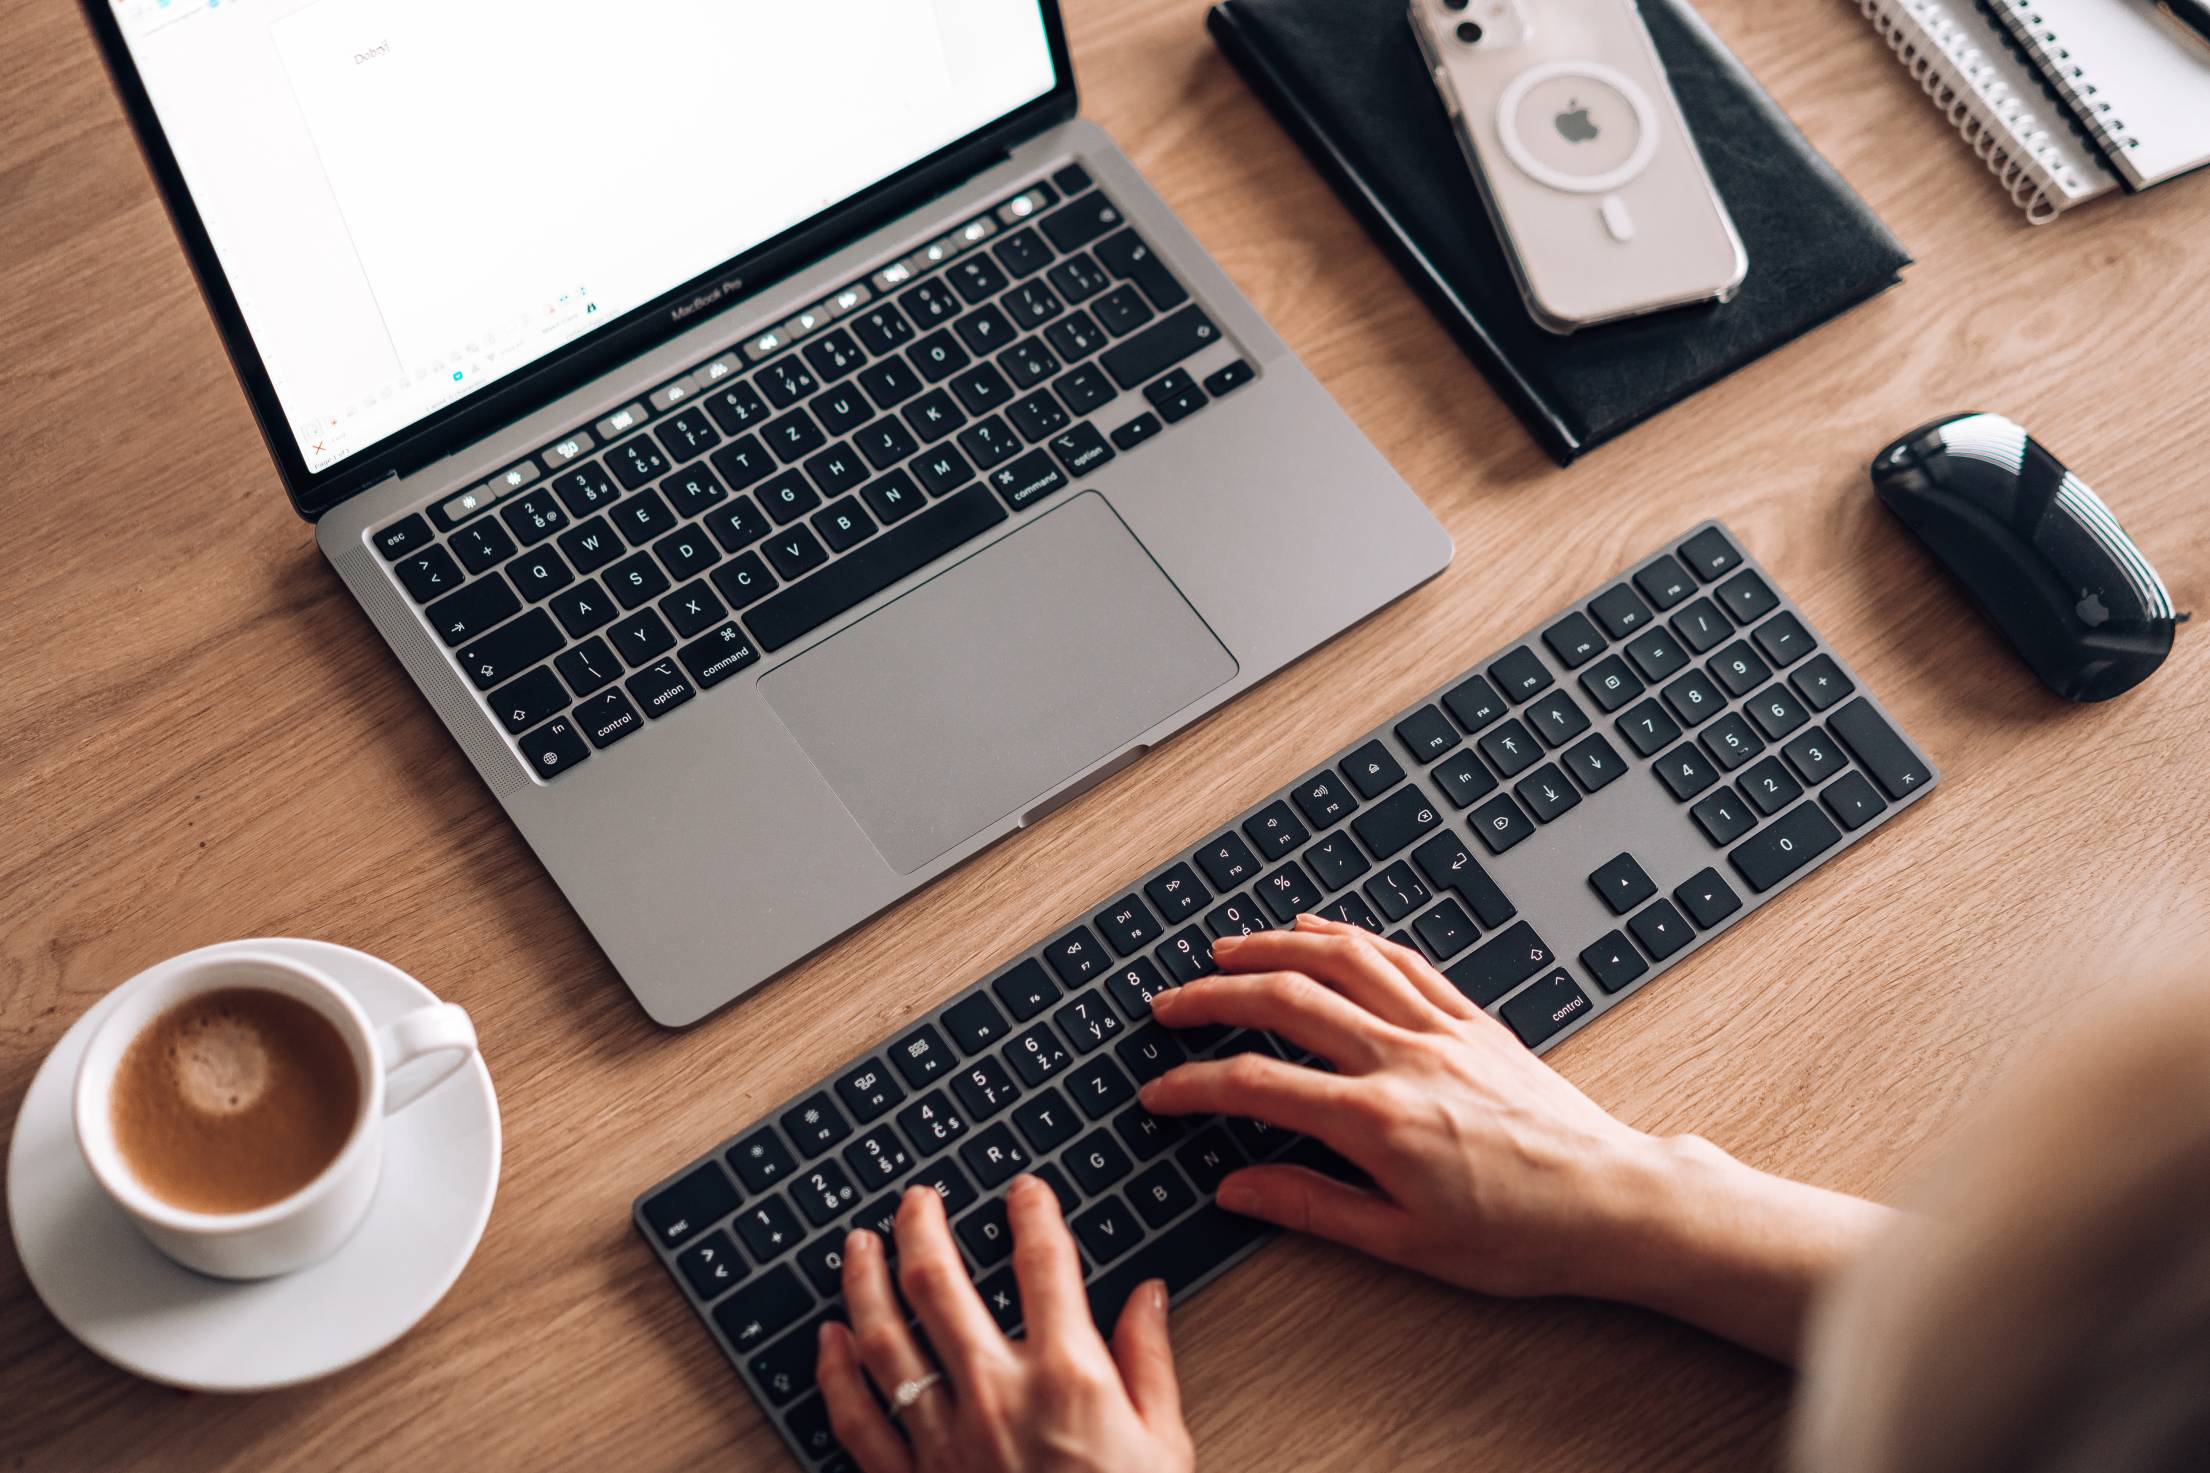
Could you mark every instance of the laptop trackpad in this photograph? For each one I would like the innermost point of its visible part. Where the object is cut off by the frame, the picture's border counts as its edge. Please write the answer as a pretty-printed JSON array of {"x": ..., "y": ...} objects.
[{"x": 991, "y": 684}]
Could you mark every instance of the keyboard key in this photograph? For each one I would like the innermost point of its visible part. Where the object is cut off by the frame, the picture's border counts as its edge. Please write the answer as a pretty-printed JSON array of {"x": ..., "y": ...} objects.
[
  {"x": 1622, "y": 882},
  {"x": 921, "y": 1056},
  {"x": 509, "y": 650},
  {"x": 1783, "y": 639},
  {"x": 1463, "y": 778},
  {"x": 1127, "y": 926},
  {"x": 1545, "y": 1009},
  {"x": 1664, "y": 582},
  {"x": 1501, "y": 964},
  {"x": 1028, "y": 480},
  {"x": 805, "y": 606},
  {"x": 930, "y": 1123},
  {"x": 1149, "y": 1052},
  {"x": 761, "y": 1161},
  {"x": 1398, "y": 891},
  {"x": 1450, "y": 866},
  {"x": 1694, "y": 699},
  {"x": 1238, "y": 915},
  {"x": 762, "y": 1309},
  {"x": 1337, "y": 861},
  {"x": 682, "y": 1210},
  {"x": 1183, "y": 1254},
  {"x": 1098, "y": 1087},
  {"x": 1227, "y": 861},
  {"x": 981, "y": 389},
  {"x": 1701, "y": 627},
  {"x": 1136, "y": 431},
  {"x": 690, "y": 609},
  {"x": 1288, "y": 893},
  {"x": 714, "y": 657},
  {"x": 534, "y": 517},
  {"x": 1648, "y": 729},
  {"x": 1661, "y": 930},
  {"x": 1784, "y": 846},
  {"x": 641, "y": 637},
  {"x": 1686, "y": 772},
  {"x": 878, "y": 1158},
  {"x": 1160, "y": 346},
  {"x": 1739, "y": 668},
  {"x": 1324, "y": 800},
  {"x": 1747, "y": 597},
  {"x": 994, "y": 1157},
  {"x": 1814, "y": 756},
  {"x": 1396, "y": 822},
  {"x": 786, "y": 1368},
  {"x": 1821, "y": 683},
  {"x": 1427, "y": 733},
  {"x": 1852, "y": 801},
  {"x": 1574, "y": 640},
  {"x": 470, "y": 610},
  {"x": 1776, "y": 712},
  {"x": 1723, "y": 817},
  {"x": 1612, "y": 961},
  {"x": 793, "y": 437},
  {"x": 1731, "y": 742},
  {"x": 1446, "y": 930},
  {"x": 743, "y": 580},
  {"x": 1176, "y": 397},
  {"x": 1769, "y": 787},
  {"x": 1146, "y": 1134},
  {"x": 1546, "y": 793},
  {"x": 1026, "y": 990},
  {"x": 1125, "y": 255},
  {"x": 1037, "y": 1055},
  {"x": 408, "y": 534},
  {"x": 984, "y": 1088},
  {"x": 1710, "y": 554},
  {"x": 1610, "y": 684},
  {"x": 1878, "y": 749},
  {"x": 637, "y": 461},
  {"x": 522, "y": 704},
  {"x": 868, "y": 1091},
  {"x": 1520, "y": 674},
  {"x": 1133, "y": 986},
  {"x": 482, "y": 544},
  {"x": 974, "y": 1023},
  {"x": 1593, "y": 763},
  {"x": 1275, "y": 831},
  {"x": 1620, "y": 611},
  {"x": 1500, "y": 823},
  {"x": 1086, "y": 1022},
  {"x": 553, "y": 748},
  {"x": 1081, "y": 449},
  {"x": 1474, "y": 703},
  {"x": 712, "y": 1265},
  {"x": 1657, "y": 654},
  {"x": 735, "y": 407},
  {"x": 1352, "y": 910},
  {"x": 768, "y": 1228},
  {"x": 1229, "y": 379},
  {"x": 1098, "y": 1163},
  {"x": 636, "y": 580},
  {"x": 1509, "y": 748},
  {"x": 1556, "y": 719},
  {"x": 1707, "y": 898},
  {"x": 815, "y": 1124}
]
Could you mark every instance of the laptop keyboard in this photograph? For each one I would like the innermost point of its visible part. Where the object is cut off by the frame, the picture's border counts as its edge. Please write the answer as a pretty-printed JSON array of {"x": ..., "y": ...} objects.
[
  {"x": 1553, "y": 829},
  {"x": 604, "y": 582}
]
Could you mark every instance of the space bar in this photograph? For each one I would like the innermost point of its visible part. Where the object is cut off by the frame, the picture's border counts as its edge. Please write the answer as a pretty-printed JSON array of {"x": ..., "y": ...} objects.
[
  {"x": 811, "y": 602},
  {"x": 1182, "y": 1255}
]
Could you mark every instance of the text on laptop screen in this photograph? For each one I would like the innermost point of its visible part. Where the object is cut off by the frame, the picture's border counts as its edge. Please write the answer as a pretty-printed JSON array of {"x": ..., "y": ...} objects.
[{"x": 414, "y": 198}]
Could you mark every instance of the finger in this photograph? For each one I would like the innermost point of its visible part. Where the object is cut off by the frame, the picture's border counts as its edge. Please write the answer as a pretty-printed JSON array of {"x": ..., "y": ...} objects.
[
  {"x": 1288, "y": 1004},
  {"x": 887, "y": 1348},
  {"x": 936, "y": 1285},
  {"x": 858, "y": 1423},
  {"x": 1044, "y": 1263},
  {"x": 1146, "y": 1357},
  {"x": 1304, "y": 1201},
  {"x": 1417, "y": 969},
  {"x": 1261, "y": 1087},
  {"x": 1340, "y": 959}
]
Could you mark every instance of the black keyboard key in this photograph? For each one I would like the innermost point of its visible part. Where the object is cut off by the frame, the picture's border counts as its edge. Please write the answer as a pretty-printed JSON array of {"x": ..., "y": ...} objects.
[
  {"x": 1648, "y": 729},
  {"x": 1501, "y": 964},
  {"x": 815, "y": 1124},
  {"x": 1275, "y": 831},
  {"x": 885, "y": 443},
  {"x": 977, "y": 278},
  {"x": 1181, "y": 1255},
  {"x": 1026, "y": 989},
  {"x": 1133, "y": 986},
  {"x": 1028, "y": 480},
  {"x": 682, "y": 1210},
  {"x": 868, "y": 1091},
  {"x": 1546, "y": 793},
  {"x": 1574, "y": 640},
  {"x": 1710, "y": 554},
  {"x": 735, "y": 407},
  {"x": 938, "y": 356},
  {"x": 1463, "y": 778},
  {"x": 1228, "y": 380},
  {"x": 1037, "y": 417},
  {"x": 608, "y": 717},
  {"x": 1081, "y": 449},
  {"x": 1177, "y": 894},
  {"x": 878, "y": 1158},
  {"x": 975, "y": 1023},
  {"x": 1784, "y": 846},
  {"x": 1227, "y": 861},
  {"x": 1815, "y": 756},
  {"x": 933, "y": 416},
  {"x": 1694, "y": 699},
  {"x": 1661, "y": 930},
  {"x": 1664, "y": 582},
  {"x": 429, "y": 574},
  {"x": 1149, "y": 1052},
  {"x": 1613, "y": 961},
  {"x": 931, "y": 302},
  {"x": 1701, "y": 627},
  {"x": 1610, "y": 684},
  {"x": 1707, "y": 898},
  {"x": 1878, "y": 749},
  {"x": 984, "y": 1087},
  {"x": 712, "y": 1266},
  {"x": 1023, "y": 253},
  {"x": 510, "y": 649},
  {"x": 1238, "y": 915},
  {"x": 1077, "y": 957},
  {"x": 1622, "y": 882},
  {"x": 1126, "y": 256},
  {"x": 636, "y": 461},
  {"x": 882, "y": 328},
  {"x": 1045, "y": 1120},
  {"x": 469, "y": 611},
  {"x": 1686, "y": 772},
  {"x": 1352, "y": 910},
  {"x": 1337, "y": 861},
  {"x": 793, "y": 437},
  {"x": 408, "y": 534},
  {"x": 761, "y": 1310},
  {"x": 1077, "y": 338},
  {"x": 743, "y": 580},
  {"x": 1821, "y": 683},
  {"x": 636, "y": 580},
  {"x": 744, "y": 463},
  {"x": 989, "y": 442},
  {"x": 1127, "y": 926},
  {"x": 1747, "y": 598},
  {"x": 1509, "y": 748},
  {"x": 534, "y": 517},
  {"x": 1121, "y": 311},
  {"x": 921, "y": 1056},
  {"x": 1446, "y": 930},
  {"x": 1520, "y": 673},
  {"x": 1037, "y": 1055},
  {"x": 714, "y": 657},
  {"x": 785, "y": 381},
  {"x": 1136, "y": 431},
  {"x": 1556, "y": 718},
  {"x": 891, "y": 382},
  {"x": 522, "y": 704},
  {"x": 1731, "y": 742},
  {"x": 642, "y": 518},
  {"x": 686, "y": 553},
  {"x": 1724, "y": 817},
  {"x": 1593, "y": 763},
  {"x": 482, "y": 544},
  {"x": 1449, "y": 865},
  {"x": 837, "y": 469},
  {"x": 769, "y": 1228},
  {"x": 1739, "y": 668},
  {"x": 994, "y": 1157},
  {"x": 1427, "y": 734},
  {"x": 1139, "y": 359},
  {"x": 930, "y": 1124},
  {"x": 1776, "y": 712},
  {"x": 1545, "y": 1009},
  {"x": 1852, "y": 801},
  {"x": 1098, "y": 1088},
  {"x": 1371, "y": 770},
  {"x": 1081, "y": 222},
  {"x": 843, "y": 524},
  {"x": 1288, "y": 893},
  {"x": 1500, "y": 823},
  {"x": 1398, "y": 891},
  {"x": 1620, "y": 611},
  {"x": 1474, "y": 703},
  {"x": 786, "y": 1368},
  {"x": 761, "y": 1161},
  {"x": 1098, "y": 1162},
  {"x": 1395, "y": 823},
  {"x": 904, "y": 549},
  {"x": 1783, "y": 639},
  {"x": 1324, "y": 799},
  {"x": 1146, "y": 1134},
  {"x": 833, "y": 355},
  {"x": 553, "y": 748},
  {"x": 641, "y": 637},
  {"x": 1657, "y": 655},
  {"x": 1770, "y": 787},
  {"x": 1078, "y": 278}
]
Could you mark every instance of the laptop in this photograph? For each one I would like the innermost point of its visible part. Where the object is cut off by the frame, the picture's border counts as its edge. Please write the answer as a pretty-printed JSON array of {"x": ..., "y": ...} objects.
[{"x": 787, "y": 446}]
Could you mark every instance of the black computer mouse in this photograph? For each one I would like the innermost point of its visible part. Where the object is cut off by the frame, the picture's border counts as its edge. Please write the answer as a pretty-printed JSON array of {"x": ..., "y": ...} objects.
[{"x": 2040, "y": 552}]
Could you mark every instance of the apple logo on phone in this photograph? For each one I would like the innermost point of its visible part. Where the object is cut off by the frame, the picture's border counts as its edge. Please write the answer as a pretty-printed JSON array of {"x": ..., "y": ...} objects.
[{"x": 1574, "y": 125}]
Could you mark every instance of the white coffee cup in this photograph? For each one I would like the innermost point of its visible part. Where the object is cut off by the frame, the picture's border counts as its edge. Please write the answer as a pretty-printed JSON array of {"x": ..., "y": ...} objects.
[{"x": 311, "y": 1223}]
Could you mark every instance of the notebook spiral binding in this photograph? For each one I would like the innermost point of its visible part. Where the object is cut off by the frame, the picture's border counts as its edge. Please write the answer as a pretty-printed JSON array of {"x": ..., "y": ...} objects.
[{"x": 1988, "y": 139}]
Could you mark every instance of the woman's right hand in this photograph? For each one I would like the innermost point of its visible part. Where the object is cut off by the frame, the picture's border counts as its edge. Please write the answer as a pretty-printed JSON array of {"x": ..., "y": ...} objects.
[{"x": 1489, "y": 1170}]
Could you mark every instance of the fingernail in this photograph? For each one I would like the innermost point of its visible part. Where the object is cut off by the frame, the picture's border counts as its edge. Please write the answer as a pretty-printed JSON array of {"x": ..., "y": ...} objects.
[
  {"x": 1148, "y": 1091},
  {"x": 1160, "y": 999},
  {"x": 1226, "y": 943},
  {"x": 826, "y": 1338},
  {"x": 1235, "y": 1196},
  {"x": 857, "y": 1242},
  {"x": 1155, "y": 1291}
]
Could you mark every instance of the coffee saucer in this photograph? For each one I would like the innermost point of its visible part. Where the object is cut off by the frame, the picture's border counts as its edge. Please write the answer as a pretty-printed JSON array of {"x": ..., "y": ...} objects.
[{"x": 115, "y": 1292}]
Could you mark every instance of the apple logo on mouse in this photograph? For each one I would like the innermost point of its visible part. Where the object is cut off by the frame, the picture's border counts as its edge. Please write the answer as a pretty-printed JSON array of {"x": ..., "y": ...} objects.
[
  {"x": 1574, "y": 125},
  {"x": 2092, "y": 611}
]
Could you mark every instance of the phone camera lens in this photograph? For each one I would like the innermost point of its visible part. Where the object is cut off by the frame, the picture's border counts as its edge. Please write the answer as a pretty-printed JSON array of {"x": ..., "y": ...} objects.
[{"x": 1469, "y": 33}]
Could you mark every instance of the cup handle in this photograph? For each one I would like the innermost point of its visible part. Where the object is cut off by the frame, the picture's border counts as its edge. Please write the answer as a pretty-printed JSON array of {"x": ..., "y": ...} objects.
[{"x": 440, "y": 1028}]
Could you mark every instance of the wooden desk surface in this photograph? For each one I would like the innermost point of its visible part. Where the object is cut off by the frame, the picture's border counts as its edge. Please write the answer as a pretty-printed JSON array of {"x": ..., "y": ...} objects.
[{"x": 202, "y": 738}]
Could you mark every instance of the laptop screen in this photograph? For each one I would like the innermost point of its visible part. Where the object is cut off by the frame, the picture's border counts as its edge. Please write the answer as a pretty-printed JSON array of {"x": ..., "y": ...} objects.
[{"x": 412, "y": 199}]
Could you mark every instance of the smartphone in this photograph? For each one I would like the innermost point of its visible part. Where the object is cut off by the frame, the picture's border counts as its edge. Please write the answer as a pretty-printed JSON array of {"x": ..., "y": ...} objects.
[{"x": 1581, "y": 156}]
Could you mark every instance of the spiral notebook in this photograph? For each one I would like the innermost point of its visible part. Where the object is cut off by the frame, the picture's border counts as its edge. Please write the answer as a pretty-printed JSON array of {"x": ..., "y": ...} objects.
[{"x": 2064, "y": 100}]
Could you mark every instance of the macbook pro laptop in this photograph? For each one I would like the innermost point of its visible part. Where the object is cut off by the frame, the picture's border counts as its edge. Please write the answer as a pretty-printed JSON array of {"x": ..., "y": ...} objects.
[{"x": 787, "y": 447}]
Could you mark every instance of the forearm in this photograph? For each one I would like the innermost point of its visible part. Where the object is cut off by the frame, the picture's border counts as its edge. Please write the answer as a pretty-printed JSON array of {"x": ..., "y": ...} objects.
[{"x": 1734, "y": 1250}]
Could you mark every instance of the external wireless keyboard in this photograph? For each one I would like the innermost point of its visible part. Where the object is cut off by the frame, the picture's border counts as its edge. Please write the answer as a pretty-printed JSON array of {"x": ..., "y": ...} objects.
[{"x": 1500, "y": 826}]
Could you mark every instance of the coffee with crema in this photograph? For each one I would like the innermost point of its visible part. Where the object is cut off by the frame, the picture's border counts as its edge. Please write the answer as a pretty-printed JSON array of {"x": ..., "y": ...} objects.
[{"x": 234, "y": 1099}]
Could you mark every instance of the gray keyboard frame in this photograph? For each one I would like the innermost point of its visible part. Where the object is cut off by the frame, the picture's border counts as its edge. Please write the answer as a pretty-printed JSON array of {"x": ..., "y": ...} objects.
[{"x": 1546, "y": 876}]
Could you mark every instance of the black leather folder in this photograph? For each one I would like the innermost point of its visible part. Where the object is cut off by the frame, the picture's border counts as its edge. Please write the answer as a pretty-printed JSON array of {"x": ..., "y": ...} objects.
[{"x": 1347, "y": 80}]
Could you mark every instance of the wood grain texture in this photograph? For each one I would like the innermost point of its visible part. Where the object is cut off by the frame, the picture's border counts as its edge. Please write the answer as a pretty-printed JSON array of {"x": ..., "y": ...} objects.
[{"x": 203, "y": 739}]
